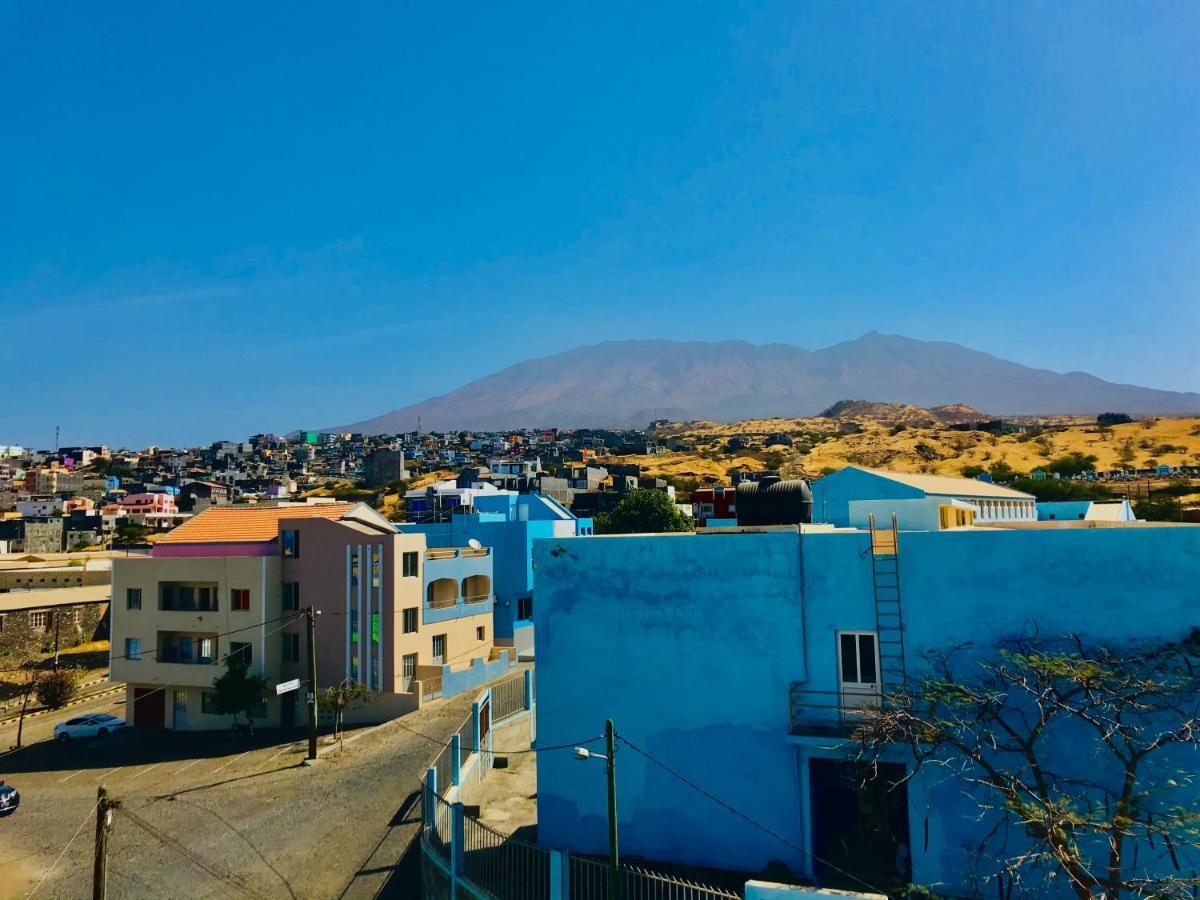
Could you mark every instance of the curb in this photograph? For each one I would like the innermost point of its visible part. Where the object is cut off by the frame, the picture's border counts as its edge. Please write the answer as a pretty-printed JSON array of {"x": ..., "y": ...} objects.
[{"x": 76, "y": 702}]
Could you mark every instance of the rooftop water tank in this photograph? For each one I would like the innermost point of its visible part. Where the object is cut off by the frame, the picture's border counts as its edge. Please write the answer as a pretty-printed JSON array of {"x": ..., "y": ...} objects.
[{"x": 773, "y": 501}]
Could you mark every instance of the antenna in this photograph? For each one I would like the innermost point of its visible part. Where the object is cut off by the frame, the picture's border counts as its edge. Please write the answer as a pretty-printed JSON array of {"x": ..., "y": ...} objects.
[{"x": 55, "y": 438}]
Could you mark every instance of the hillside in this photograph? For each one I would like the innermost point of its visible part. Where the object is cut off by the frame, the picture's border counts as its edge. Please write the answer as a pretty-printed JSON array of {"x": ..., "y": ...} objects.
[
  {"x": 634, "y": 382},
  {"x": 820, "y": 444}
]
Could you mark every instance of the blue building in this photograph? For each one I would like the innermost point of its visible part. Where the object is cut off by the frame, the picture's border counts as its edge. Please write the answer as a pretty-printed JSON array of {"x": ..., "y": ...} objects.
[
  {"x": 1086, "y": 510},
  {"x": 508, "y": 523},
  {"x": 731, "y": 659}
]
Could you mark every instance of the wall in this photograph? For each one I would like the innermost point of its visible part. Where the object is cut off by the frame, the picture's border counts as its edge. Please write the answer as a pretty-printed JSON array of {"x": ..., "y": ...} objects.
[
  {"x": 79, "y": 624},
  {"x": 259, "y": 575},
  {"x": 689, "y": 643}
]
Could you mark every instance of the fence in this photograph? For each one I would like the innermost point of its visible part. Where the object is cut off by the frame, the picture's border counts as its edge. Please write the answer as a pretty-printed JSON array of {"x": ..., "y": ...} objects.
[
  {"x": 488, "y": 864},
  {"x": 508, "y": 699}
]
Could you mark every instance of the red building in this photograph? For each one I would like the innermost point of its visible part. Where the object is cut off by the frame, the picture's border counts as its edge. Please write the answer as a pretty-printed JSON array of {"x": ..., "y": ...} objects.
[{"x": 717, "y": 502}]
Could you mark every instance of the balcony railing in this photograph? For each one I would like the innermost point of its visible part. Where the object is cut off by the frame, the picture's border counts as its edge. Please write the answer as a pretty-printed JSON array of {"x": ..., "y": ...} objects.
[
  {"x": 172, "y": 655},
  {"x": 824, "y": 712},
  {"x": 442, "y": 603},
  {"x": 476, "y": 598}
]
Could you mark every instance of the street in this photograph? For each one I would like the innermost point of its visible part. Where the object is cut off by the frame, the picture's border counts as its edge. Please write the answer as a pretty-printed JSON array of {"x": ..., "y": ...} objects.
[{"x": 206, "y": 815}]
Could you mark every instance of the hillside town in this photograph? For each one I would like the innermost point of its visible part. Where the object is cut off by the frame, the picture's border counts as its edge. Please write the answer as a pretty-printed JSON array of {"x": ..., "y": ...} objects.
[{"x": 175, "y": 605}]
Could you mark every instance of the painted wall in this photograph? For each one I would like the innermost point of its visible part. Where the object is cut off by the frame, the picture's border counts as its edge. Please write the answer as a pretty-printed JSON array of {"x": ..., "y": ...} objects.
[{"x": 690, "y": 643}]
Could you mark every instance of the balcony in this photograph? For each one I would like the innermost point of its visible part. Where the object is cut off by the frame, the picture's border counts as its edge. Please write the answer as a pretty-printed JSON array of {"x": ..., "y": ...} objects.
[
  {"x": 176, "y": 596},
  {"x": 813, "y": 712},
  {"x": 458, "y": 582},
  {"x": 186, "y": 648}
]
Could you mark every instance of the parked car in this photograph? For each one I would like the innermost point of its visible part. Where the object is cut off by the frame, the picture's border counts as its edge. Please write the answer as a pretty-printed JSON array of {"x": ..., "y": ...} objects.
[
  {"x": 97, "y": 725},
  {"x": 9, "y": 800}
]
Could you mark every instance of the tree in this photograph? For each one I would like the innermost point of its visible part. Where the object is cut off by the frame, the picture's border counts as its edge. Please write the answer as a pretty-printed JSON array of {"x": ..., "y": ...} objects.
[
  {"x": 644, "y": 511},
  {"x": 1072, "y": 464},
  {"x": 1078, "y": 744},
  {"x": 1050, "y": 489},
  {"x": 346, "y": 695},
  {"x": 972, "y": 471},
  {"x": 56, "y": 689},
  {"x": 1113, "y": 418},
  {"x": 1002, "y": 471},
  {"x": 1126, "y": 453},
  {"x": 1159, "y": 506},
  {"x": 237, "y": 691}
]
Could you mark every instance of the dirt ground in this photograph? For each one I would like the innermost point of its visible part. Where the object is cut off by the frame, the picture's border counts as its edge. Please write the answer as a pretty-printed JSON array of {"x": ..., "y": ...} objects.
[{"x": 207, "y": 815}]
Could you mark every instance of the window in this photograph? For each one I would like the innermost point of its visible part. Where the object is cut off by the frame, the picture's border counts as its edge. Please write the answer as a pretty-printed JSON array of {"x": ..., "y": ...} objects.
[
  {"x": 354, "y": 626},
  {"x": 439, "y": 648},
  {"x": 409, "y": 669},
  {"x": 375, "y": 627},
  {"x": 291, "y": 595},
  {"x": 206, "y": 598},
  {"x": 133, "y": 598},
  {"x": 353, "y": 568},
  {"x": 291, "y": 647},
  {"x": 208, "y": 704},
  {"x": 411, "y": 564},
  {"x": 291, "y": 544},
  {"x": 376, "y": 568},
  {"x": 241, "y": 651},
  {"x": 857, "y": 658},
  {"x": 480, "y": 633},
  {"x": 208, "y": 649},
  {"x": 40, "y": 620},
  {"x": 133, "y": 648},
  {"x": 410, "y": 620},
  {"x": 239, "y": 599},
  {"x": 524, "y": 607}
]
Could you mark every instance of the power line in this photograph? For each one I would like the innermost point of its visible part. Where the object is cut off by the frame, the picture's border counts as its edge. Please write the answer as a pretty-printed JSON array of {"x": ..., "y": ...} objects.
[
  {"x": 180, "y": 848},
  {"x": 742, "y": 815},
  {"x": 442, "y": 743},
  {"x": 158, "y": 649},
  {"x": 46, "y": 874}
]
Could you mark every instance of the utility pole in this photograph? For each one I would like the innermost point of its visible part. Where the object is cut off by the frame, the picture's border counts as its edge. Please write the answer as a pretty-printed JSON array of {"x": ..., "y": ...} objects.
[
  {"x": 104, "y": 808},
  {"x": 310, "y": 620},
  {"x": 614, "y": 874}
]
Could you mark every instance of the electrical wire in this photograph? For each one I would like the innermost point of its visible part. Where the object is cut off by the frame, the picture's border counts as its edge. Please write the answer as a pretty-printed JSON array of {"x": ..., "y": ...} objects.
[
  {"x": 155, "y": 652},
  {"x": 399, "y": 724},
  {"x": 742, "y": 815},
  {"x": 180, "y": 848},
  {"x": 46, "y": 874}
]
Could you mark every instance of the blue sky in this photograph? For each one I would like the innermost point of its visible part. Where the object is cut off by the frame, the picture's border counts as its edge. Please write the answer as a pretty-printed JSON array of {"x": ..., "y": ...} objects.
[{"x": 217, "y": 219}]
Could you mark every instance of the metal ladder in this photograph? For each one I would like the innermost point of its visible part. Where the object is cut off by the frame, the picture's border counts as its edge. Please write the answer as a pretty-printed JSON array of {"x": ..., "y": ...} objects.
[{"x": 889, "y": 619}]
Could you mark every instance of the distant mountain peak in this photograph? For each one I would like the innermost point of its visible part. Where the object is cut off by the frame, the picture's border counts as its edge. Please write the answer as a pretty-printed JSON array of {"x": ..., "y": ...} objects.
[{"x": 631, "y": 382}]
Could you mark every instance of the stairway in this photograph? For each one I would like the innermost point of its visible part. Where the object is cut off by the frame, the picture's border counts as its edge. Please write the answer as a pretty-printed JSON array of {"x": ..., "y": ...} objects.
[{"x": 889, "y": 619}]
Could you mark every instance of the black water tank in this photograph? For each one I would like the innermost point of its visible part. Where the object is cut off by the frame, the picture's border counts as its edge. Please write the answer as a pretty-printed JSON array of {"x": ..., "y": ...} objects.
[{"x": 773, "y": 501}]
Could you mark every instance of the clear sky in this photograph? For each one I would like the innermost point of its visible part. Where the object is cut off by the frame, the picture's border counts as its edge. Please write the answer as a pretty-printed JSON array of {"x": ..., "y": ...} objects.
[{"x": 217, "y": 219}]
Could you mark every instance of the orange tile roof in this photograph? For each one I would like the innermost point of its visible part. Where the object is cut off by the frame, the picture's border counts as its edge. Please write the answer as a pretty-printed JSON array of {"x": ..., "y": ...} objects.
[{"x": 238, "y": 524}]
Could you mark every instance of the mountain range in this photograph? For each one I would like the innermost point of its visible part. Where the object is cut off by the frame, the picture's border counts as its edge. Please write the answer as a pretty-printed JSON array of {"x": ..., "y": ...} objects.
[{"x": 632, "y": 382}]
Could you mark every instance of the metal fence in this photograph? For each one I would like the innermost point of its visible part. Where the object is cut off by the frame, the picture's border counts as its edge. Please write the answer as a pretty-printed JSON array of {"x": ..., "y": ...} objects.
[
  {"x": 590, "y": 877},
  {"x": 440, "y": 825},
  {"x": 444, "y": 766},
  {"x": 508, "y": 699},
  {"x": 505, "y": 869},
  {"x": 466, "y": 738}
]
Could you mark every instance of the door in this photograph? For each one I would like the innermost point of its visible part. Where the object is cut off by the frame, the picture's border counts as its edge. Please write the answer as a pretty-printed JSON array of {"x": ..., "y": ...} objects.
[
  {"x": 179, "y": 711},
  {"x": 149, "y": 708},
  {"x": 409, "y": 671},
  {"x": 859, "y": 823},
  {"x": 858, "y": 671}
]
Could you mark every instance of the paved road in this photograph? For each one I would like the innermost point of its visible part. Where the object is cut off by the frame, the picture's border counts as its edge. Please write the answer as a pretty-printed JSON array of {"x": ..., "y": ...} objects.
[
  {"x": 41, "y": 726},
  {"x": 205, "y": 816}
]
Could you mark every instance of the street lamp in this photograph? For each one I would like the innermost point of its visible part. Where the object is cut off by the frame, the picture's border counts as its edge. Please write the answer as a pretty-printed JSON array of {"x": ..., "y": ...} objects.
[{"x": 610, "y": 760}]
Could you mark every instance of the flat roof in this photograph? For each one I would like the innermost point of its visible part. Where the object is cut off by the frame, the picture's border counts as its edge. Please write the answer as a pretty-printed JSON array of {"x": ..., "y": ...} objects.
[{"x": 12, "y": 601}]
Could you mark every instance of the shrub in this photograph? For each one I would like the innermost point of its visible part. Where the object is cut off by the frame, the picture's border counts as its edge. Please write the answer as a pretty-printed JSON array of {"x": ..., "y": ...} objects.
[{"x": 56, "y": 689}]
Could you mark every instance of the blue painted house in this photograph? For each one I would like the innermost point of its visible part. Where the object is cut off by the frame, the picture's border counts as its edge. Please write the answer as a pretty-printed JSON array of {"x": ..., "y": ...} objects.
[
  {"x": 731, "y": 659},
  {"x": 508, "y": 523}
]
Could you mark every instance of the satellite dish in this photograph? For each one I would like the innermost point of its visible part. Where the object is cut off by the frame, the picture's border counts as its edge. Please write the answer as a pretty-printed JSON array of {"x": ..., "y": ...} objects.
[{"x": 474, "y": 544}]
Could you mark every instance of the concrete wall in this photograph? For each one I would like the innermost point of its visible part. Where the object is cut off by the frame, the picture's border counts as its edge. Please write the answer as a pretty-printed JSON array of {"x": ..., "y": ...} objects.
[{"x": 689, "y": 643}]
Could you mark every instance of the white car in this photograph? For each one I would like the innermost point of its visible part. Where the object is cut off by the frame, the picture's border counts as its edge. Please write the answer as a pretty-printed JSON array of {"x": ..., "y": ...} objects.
[{"x": 98, "y": 725}]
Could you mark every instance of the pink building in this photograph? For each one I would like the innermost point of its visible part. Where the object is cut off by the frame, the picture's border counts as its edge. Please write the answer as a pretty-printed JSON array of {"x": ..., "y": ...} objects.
[{"x": 149, "y": 504}]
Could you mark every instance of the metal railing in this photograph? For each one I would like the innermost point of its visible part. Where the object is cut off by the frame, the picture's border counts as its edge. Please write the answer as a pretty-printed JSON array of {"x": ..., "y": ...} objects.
[
  {"x": 444, "y": 766},
  {"x": 589, "y": 881},
  {"x": 810, "y": 710},
  {"x": 440, "y": 826},
  {"x": 444, "y": 603},
  {"x": 508, "y": 699},
  {"x": 466, "y": 740},
  {"x": 477, "y": 598},
  {"x": 505, "y": 869}
]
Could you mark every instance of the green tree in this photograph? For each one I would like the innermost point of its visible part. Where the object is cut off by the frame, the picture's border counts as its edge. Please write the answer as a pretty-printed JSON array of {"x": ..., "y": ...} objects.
[
  {"x": 54, "y": 690},
  {"x": 1051, "y": 489},
  {"x": 1126, "y": 453},
  {"x": 1160, "y": 506},
  {"x": 1074, "y": 463},
  {"x": 644, "y": 511},
  {"x": 1002, "y": 472},
  {"x": 1078, "y": 744},
  {"x": 972, "y": 471},
  {"x": 237, "y": 691}
]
